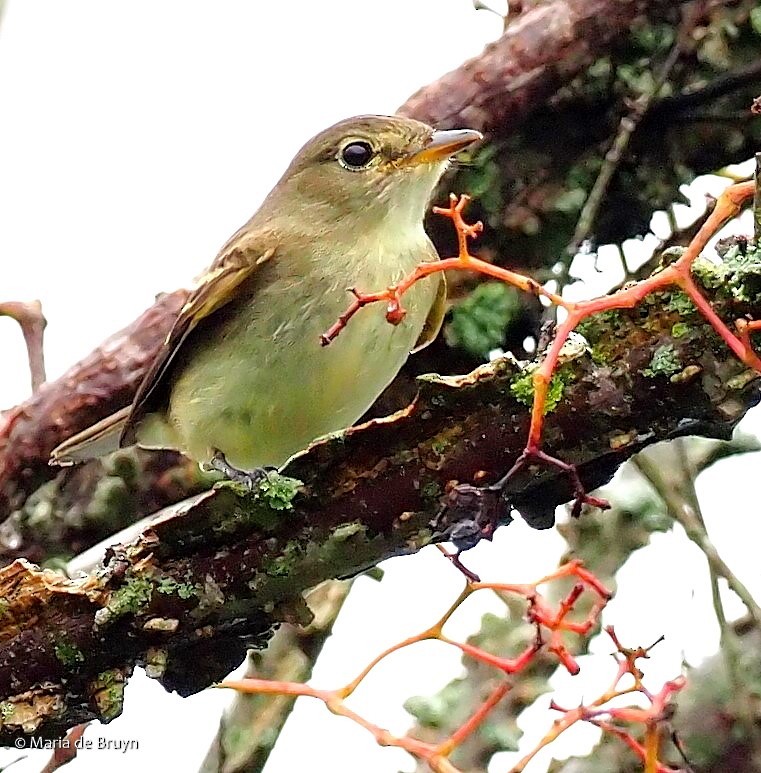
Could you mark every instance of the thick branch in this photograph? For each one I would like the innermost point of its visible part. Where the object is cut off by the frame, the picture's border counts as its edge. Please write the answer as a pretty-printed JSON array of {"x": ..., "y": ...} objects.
[
  {"x": 542, "y": 49},
  {"x": 107, "y": 379},
  {"x": 199, "y": 584}
]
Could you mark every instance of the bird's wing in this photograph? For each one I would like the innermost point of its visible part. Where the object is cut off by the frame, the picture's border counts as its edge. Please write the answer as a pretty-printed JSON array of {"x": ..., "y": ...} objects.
[
  {"x": 435, "y": 316},
  {"x": 215, "y": 289}
]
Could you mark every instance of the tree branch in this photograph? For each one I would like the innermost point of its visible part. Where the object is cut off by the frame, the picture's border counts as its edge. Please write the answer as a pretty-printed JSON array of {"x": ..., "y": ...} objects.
[
  {"x": 543, "y": 48},
  {"x": 97, "y": 386},
  {"x": 200, "y": 584},
  {"x": 32, "y": 323}
]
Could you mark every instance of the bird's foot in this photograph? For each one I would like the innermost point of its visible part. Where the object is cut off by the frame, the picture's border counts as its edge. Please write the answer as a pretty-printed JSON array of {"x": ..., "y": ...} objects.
[{"x": 249, "y": 478}]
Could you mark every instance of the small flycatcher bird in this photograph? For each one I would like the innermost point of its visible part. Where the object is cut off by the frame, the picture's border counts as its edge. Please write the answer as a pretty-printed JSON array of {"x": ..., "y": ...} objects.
[{"x": 242, "y": 381}]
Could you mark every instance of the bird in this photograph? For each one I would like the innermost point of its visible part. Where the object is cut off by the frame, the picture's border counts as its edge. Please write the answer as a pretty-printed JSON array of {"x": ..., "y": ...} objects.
[{"x": 241, "y": 383}]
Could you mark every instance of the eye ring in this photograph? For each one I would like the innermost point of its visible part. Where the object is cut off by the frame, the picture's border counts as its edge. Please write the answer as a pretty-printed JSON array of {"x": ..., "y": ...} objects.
[{"x": 356, "y": 155}]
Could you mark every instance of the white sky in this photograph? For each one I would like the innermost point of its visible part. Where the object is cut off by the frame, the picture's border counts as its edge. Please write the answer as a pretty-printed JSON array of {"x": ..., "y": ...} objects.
[{"x": 136, "y": 136}]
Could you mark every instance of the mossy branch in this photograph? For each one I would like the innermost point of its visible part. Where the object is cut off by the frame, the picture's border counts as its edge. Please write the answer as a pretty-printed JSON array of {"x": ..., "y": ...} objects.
[{"x": 218, "y": 574}]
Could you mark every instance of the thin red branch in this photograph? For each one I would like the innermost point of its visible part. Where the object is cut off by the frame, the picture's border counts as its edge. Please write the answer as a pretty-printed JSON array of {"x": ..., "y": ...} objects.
[
  {"x": 677, "y": 274},
  {"x": 540, "y": 613}
]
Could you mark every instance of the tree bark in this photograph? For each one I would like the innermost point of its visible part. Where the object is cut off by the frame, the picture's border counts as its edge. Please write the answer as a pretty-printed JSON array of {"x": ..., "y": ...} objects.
[
  {"x": 199, "y": 585},
  {"x": 543, "y": 48}
]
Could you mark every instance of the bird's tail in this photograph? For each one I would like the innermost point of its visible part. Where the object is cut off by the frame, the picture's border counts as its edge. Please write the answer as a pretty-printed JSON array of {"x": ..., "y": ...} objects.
[{"x": 98, "y": 440}]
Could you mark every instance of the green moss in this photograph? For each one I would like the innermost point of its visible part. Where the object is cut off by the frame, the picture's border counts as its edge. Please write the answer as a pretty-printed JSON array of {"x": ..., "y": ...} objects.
[
  {"x": 679, "y": 329},
  {"x": 706, "y": 272},
  {"x": 260, "y": 508},
  {"x": 278, "y": 491},
  {"x": 598, "y": 355},
  {"x": 438, "y": 447},
  {"x": 680, "y": 303},
  {"x": 479, "y": 322},
  {"x": 131, "y": 597},
  {"x": 599, "y": 325},
  {"x": 315, "y": 559},
  {"x": 431, "y": 491},
  {"x": 522, "y": 388},
  {"x": 107, "y": 678},
  {"x": 283, "y": 565},
  {"x": 560, "y": 380},
  {"x": 170, "y": 587},
  {"x": 109, "y": 693},
  {"x": 665, "y": 362},
  {"x": 738, "y": 276},
  {"x": 68, "y": 654}
]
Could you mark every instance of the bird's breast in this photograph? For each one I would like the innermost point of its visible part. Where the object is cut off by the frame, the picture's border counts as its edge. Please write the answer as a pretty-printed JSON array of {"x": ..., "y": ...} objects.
[{"x": 258, "y": 385}]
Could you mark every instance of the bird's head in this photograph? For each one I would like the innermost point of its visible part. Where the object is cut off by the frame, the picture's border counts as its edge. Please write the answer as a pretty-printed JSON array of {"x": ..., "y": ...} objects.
[{"x": 370, "y": 169}]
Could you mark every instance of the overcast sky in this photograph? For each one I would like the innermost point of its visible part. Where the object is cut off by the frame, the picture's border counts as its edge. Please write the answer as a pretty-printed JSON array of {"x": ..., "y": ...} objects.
[{"x": 136, "y": 137}]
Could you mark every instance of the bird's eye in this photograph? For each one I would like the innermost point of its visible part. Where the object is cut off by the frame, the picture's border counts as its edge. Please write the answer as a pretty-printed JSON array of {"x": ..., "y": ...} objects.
[{"x": 356, "y": 155}]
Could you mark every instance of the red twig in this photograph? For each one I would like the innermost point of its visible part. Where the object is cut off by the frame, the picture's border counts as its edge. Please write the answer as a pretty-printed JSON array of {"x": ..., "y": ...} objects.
[
  {"x": 677, "y": 274},
  {"x": 540, "y": 613},
  {"x": 546, "y": 618},
  {"x": 599, "y": 713}
]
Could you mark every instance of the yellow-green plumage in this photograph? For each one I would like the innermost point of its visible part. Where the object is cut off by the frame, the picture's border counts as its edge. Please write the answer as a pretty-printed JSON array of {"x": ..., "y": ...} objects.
[
  {"x": 243, "y": 371},
  {"x": 260, "y": 387}
]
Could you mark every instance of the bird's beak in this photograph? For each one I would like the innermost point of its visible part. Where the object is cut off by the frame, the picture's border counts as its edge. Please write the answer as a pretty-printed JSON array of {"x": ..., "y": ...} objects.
[{"x": 444, "y": 144}]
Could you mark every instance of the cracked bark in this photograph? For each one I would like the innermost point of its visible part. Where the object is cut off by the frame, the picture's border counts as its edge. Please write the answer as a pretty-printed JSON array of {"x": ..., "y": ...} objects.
[
  {"x": 206, "y": 580},
  {"x": 195, "y": 588},
  {"x": 543, "y": 48},
  {"x": 106, "y": 380}
]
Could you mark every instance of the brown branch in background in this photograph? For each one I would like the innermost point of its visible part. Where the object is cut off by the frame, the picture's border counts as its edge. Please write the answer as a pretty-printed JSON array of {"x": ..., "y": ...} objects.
[
  {"x": 672, "y": 475},
  {"x": 206, "y": 580},
  {"x": 757, "y": 203},
  {"x": 718, "y": 87},
  {"x": 532, "y": 180},
  {"x": 249, "y": 727},
  {"x": 95, "y": 387},
  {"x": 626, "y": 129},
  {"x": 541, "y": 49},
  {"x": 32, "y": 322}
]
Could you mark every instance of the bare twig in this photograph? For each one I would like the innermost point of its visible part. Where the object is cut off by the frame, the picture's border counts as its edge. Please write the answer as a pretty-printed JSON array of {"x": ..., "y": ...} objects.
[
  {"x": 719, "y": 86},
  {"x": 32, "y": 323},
  {"x": 613, "y": 157},
  {"x": 731, "y": 648},
  {"x": 757, "y": 201},
  {"x": 67, "y": 751},
  {"x": 684, "y": 513}
]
